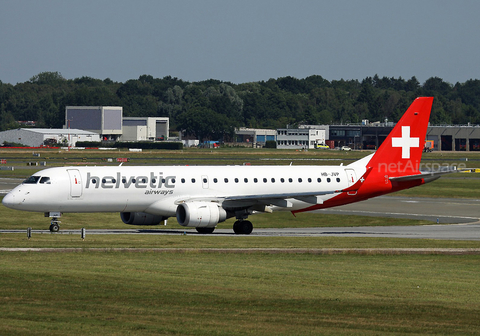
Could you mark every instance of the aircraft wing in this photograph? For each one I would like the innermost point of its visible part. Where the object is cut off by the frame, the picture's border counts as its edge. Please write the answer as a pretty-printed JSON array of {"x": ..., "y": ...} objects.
[{"x": 281, "y": 199}]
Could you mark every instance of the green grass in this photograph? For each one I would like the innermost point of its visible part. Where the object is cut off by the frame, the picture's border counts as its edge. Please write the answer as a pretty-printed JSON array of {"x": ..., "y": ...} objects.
[
  {"x": 231, "y": 294},
  {"x": 206, "y": 293},
  {"x": 180, "y": 241}
]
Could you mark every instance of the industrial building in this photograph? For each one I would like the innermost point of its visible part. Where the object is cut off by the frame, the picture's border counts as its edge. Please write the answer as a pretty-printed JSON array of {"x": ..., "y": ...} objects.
[
  {"x": 103, "y": 120},
  {"x": 255, "y": 136},
  {"x": 439, "y": 138},
  {"x": 143, "y": 129},
  {"x": 454, "y": 138},
  {"x": 36, "y": 137},
  {"x": 108, "y": 121},
  {"x": 300, "y": 138}
]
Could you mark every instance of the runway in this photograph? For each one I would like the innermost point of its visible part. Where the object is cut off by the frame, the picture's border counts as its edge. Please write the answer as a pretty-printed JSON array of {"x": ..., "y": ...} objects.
[
  {"x": 7, "y": 184},
  {"x": 443, "y": 232},
  {"x": 437, "y": 210},
  {"x": 463, "y": 215}
]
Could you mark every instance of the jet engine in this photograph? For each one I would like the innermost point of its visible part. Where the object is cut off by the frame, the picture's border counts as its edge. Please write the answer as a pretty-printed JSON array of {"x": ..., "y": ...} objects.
[
  {"x": 141, "y": 218},
  {"x": 200, "y": 214}
]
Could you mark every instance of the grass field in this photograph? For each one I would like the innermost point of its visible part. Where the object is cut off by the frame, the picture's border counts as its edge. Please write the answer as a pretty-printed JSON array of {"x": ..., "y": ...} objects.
[
  {"x": 220, "y": 156},
  {"x": 196, "y": 292},
  {"x": 231, "y": 294}
]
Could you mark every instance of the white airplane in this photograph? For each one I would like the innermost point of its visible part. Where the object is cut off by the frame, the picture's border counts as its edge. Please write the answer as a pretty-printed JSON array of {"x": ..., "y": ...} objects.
[{"x": 203, "y": 196}]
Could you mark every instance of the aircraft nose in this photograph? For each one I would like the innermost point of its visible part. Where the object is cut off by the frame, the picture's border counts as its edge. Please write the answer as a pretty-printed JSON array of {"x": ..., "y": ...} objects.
[{"x": 9, "y": 200}]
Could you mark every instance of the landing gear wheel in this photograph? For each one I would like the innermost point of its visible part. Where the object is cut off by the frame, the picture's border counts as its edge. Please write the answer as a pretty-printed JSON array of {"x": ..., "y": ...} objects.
[
  {"x": 54, "y": 227},
  {"x": 205, "y": 230},
  {"x": 243, "y": 227}
]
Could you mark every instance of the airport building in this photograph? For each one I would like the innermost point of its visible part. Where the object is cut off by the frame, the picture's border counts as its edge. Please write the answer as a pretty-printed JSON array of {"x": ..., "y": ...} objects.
[
  {"x": 103, "y": 120},
  {"x": 145, "y": 129},
  {"x": 109, "y": 123},
  {"x": 439, "y": 138},
  {"x": 455, "y": 138},
  {"x": 300, "y": 138},
  {"x": 254, "y": 136},
  {"x": 36, "y": 137}
]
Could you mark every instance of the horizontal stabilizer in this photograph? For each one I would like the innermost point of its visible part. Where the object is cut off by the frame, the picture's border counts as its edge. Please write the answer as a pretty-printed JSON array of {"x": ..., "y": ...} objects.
[{"x": 427, "y": 176}]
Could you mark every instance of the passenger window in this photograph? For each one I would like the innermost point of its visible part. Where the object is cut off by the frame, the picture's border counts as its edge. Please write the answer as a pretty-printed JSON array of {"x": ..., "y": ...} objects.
[
  {"x": 193, "y": 180},
  {"x": 264, "y": 180},
  {"x": 319, "y": 180},
  {"x": 328, "y": 180},
  {"x": 124, "y": 180},
  {"x": 245, "y": 180},
  {"x": 215, "y": 180},
  {"x": 300, "y": 180},
  {"x": 273, "y": 180},
  {"x": 309, "y": 180},
  {"x": 33, "y": 180},
  {"x": 183, "y": 180},
  {"x": 236, "y": 180},
  {"x": 290, "y": 180},
  {"x": 205, "y": 180},
  {"x": 226, "y": 180},
  {"x": 338, "y": 180},
  {"x": 45, "y": 180},
  {"x": 255, "y": 180},
  {"x": 282, "y": 180}
]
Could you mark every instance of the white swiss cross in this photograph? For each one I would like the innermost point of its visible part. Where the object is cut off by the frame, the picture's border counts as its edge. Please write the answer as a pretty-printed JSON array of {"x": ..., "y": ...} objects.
[{"x": 406, "y": 142}]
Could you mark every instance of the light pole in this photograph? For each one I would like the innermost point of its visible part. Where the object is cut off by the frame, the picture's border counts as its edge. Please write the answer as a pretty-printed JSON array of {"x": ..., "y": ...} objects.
[{"x": 68, "y": 146}]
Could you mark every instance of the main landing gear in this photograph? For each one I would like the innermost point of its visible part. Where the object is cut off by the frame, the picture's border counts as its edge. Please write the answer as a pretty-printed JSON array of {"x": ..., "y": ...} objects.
[{"x": 242, "y": 227}]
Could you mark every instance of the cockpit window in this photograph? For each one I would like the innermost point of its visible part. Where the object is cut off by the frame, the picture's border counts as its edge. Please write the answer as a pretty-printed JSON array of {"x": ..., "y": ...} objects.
[
  {"x": 32, "y": 180},
  {"x": 45, "y": 180}
]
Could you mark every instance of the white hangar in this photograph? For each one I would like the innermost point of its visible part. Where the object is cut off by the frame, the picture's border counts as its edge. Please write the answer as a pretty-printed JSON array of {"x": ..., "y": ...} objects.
[{"x": 35, "y": 137}]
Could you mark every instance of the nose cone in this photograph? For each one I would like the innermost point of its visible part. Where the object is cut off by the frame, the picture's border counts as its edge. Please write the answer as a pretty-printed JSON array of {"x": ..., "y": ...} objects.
[{"x": 9, "y": 200}]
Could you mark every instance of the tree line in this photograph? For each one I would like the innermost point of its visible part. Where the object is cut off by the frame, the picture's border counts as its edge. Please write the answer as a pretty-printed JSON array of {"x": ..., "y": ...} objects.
[{"x": 212, "y": 109}]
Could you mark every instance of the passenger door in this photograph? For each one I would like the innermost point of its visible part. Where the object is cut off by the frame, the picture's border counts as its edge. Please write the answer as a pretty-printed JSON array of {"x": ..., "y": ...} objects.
[{"x": 75, "y": 183}]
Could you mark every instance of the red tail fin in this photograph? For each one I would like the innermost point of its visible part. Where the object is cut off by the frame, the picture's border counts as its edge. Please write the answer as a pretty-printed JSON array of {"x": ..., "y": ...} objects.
[{"x": 401, "y": 152}]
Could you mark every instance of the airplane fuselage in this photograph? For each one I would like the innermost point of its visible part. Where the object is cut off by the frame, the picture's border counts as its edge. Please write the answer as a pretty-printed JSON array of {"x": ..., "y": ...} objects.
[{"x": 152, "y": 188}]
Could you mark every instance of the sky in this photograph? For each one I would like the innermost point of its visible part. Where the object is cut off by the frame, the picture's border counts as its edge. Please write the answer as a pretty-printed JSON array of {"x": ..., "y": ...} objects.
[{"x": 240, "y": 41}]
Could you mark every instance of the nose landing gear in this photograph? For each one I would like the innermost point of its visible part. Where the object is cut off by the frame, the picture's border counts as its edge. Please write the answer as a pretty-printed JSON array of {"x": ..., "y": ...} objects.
[{"x": 55, "y": 223}]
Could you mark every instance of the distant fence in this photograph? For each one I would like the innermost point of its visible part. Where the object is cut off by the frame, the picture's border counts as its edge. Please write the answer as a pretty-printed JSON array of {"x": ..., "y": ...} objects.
[{"x": 142, "y": 145}]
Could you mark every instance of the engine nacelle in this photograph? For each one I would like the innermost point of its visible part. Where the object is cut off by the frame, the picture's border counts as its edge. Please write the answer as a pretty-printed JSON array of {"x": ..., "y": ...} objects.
[
  {"x": 200, "y": 214},
  {"x": 141, "y": 218}
]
